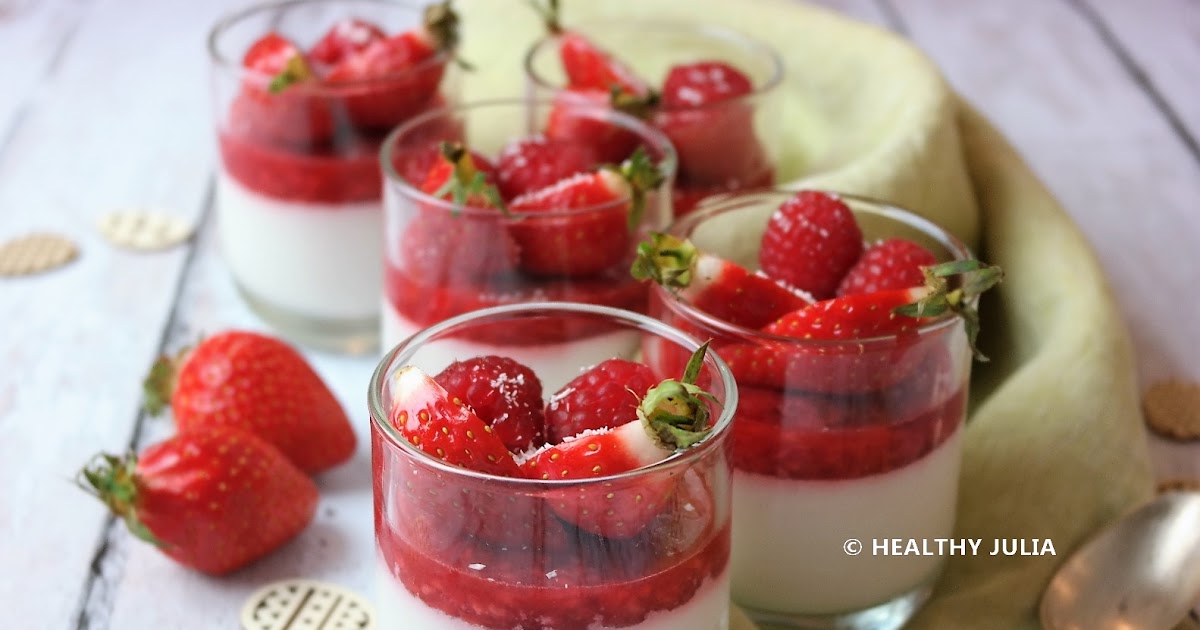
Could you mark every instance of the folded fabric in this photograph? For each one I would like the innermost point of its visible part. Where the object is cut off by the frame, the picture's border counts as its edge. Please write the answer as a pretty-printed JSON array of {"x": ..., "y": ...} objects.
[{"x": 1054, "y": 448}]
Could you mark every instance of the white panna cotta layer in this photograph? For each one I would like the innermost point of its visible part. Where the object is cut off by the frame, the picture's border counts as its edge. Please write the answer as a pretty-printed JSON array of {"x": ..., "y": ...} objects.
[
  {"x": 313, "y": 260},
  {"x": 555, "y": 364},
  {"x": 789, "y": 536},
  {"x": 399, "y": 609}
]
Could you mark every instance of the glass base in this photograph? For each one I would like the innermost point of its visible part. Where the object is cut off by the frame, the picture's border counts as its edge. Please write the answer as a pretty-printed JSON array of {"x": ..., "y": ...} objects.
[
  {"x": 889, "y": 615},
  {"x": 346, "y": 336}
]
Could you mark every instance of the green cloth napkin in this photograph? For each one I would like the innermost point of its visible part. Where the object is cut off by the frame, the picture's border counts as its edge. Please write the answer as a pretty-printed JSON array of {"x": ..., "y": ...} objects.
[{"x": 1054, "y": 444}]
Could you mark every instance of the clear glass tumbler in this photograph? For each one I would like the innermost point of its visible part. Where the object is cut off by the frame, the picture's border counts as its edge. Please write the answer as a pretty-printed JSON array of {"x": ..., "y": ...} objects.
[
  {"x": 298, "y": 190},
  {"x": 723, "y": 146},
  {"x": 443, "y": 258},
  {"x": 834, "y": 441},
  {"x": 465, "y": 550}
]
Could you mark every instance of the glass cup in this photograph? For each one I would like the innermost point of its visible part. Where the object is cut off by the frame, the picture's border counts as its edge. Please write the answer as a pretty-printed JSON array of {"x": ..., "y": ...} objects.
[
  {"x": 298, "y": 192},
  {"x": 443, "y": 259},
  {"x": 838, "y": 445},
  {"x": 459, "y": 549},
  {"x": 723, "y": 146}
]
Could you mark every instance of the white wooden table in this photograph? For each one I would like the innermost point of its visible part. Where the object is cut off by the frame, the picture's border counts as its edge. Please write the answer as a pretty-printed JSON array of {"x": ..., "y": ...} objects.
[{"x": 104, "y": 103}]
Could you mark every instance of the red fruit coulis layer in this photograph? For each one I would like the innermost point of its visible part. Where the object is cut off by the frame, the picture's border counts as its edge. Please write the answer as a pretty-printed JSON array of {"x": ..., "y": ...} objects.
[
  {"x": 424, "y": 303},
  {"x": 574, "y": 580},
  {"x": 346, "y": 174}
]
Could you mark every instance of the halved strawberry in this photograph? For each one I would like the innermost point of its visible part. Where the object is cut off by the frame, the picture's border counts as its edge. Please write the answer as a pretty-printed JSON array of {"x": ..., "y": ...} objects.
[
  {"x": 893, "y": 263},
  {"x": 672, "y": 416},
  {"x": 837, "y": 360},
  {"x": 278, "y": 102},
  {"x": 345, "y": 38},
  {"x": 445, "y": 428},
  {"x": 810, "y": 242},
  {"x": 702, "y": 83},
  {"x": 391, "y": 79},
  {"x": 578, "y": 116},
  {"x": 714, "y": 285},
  {"x": 584, "y": 224},
  {"x": 534, "y": 162},
  {"x": 442, "y": 246},
  {"x": 503, "y": 393},
  {"x": 605, "y": 396}
]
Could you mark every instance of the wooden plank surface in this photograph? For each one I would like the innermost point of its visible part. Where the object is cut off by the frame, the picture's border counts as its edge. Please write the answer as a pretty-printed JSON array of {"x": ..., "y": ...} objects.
[
  {"x": 104, "y": 130},
  {"x": 109, "y": 107}
]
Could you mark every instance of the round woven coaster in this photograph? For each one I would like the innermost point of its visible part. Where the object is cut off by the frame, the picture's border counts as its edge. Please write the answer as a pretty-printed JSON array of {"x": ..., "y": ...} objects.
[
  {"x": 306, "y": 605},
  {"x": 143, "y": 230},
  {"x": 1172, "y": 409},
  {"x": 35, "y": 253}
]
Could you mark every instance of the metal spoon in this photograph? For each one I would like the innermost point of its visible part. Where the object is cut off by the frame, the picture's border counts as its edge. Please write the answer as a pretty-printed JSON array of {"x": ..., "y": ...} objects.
[{"x": 1141, "y": 573}]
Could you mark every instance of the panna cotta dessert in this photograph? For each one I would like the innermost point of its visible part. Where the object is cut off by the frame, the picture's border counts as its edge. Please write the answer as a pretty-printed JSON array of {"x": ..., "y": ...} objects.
[
  {"x": 711, "y": 90},
  {"x": 305, "y": 93},
  {"x": 518, "y": 201},
  {"x": 602, "y": 504},
  {"x": 849, "y": 328}
]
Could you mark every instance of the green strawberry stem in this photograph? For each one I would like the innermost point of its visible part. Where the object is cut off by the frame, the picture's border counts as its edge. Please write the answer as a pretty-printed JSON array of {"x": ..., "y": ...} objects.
[
  {"x": 467, "y": 180},
  {"x": 442, "y": 24},
  {"x": 296, "y": 70},
  {"x": 974, "y": 278},
  {"x": 642, "y": 175},
  {"x": 675, "y": 413},
  {"x": 159, "y": 384},
  {"x": 550, "y": 15},
  {"x": 632, "y": 104},
  {"x": 113, "y": 480},
  {"x": 667, "y": 260}
]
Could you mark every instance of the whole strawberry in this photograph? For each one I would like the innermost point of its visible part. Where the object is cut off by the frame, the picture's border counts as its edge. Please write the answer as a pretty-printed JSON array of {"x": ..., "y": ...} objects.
[
  {"x": 213, "y": 498},
  {"x": 605, "y": 396},
  {"x": 810, "y": 242},
  {"x": 259, "y": 384},
  {"x": 503, "y": 393},
  {"x": 893, "y": 263}
]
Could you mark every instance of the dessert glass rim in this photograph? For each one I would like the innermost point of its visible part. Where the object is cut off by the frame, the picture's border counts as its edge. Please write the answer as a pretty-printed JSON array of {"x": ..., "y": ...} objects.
[
  {"x": 221, "y": 59},
  {"x": 720, "y": 429},
  {"x": 734, "y": 201},
  {"x": 667, "y": 163},
  {"x": 715, "y": 31}
]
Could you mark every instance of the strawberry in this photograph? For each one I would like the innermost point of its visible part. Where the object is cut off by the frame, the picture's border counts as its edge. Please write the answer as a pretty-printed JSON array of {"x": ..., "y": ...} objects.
[
  {"x": 714, "y": 285},
  {"x": 671, "y": 417},
  {"x": 810, "y": 242},
  {"x": 837, "y": 360},
  {"x": 587, "y": 66},
  {"x": 391, "y": 79},
  {"x": 261, "y": 385},
  {"x": 345, "y": 38},
  {"x": 278, "y": 103},
  {"x": 605, "y": 396},
  {"x": 503, "y": 393},
  {"x": 535, "y": 162},
  {"x": 711, "y": 127},
  {"x": 701, "y": 83},
  {"x": 579, "y": 116},
  {"x": 214, "y": 498},
  {"x": 894, "y": 263},
  {"x": 444, "y": 427},
  {"x": 444, "y": 246},
  {"x": 462, "y": 176},
  {"x": 607, "y": 206}
]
